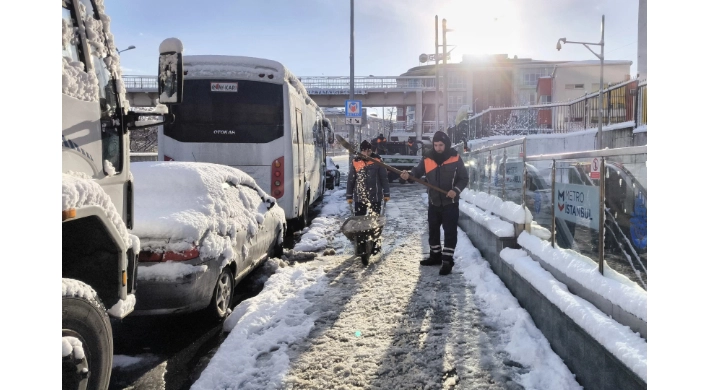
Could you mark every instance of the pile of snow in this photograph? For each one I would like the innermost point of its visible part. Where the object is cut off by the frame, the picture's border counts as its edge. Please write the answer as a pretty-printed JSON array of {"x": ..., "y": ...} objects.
[
  {"x": 78, "y": 83},
  {"x": 522, "y": 340},
  {"x": 262, "y": 328},
  {"x": 123, "y": 307},
  {"x": 494, "y": 224},
  {"x": 512, "y": 212},
  {"x": 627, "y": 346},
  {"x": 79, "y": 190},
  {"x": 197, "y": 204},
  {"x": 613, "y": 286},
  {"x": 315, "y": 239},
  {"x": 72, "y": 345}
]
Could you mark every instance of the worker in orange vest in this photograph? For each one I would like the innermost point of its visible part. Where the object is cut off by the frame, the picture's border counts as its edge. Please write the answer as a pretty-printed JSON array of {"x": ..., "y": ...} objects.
[
  {"x": 367, "y": 185},
  {"x": 445, "y": 169}
]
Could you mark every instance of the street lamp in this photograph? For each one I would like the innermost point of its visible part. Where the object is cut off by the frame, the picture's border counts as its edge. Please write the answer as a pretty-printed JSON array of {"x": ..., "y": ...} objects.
[
  {"x": 129, "y": 48},
  {"x": 444, "y": 30},
  {"x": 601, "y": 75}
]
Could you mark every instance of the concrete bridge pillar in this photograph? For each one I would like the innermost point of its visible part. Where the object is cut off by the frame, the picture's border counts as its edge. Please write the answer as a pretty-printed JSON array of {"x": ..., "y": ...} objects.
[{"x": 418, "y": 110}]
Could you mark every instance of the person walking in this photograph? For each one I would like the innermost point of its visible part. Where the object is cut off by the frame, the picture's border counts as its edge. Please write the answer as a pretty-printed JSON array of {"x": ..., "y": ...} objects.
[
  {"x": 381, "y": 146},
  {"x": 443, "y": 168},
  {"x": 367, "y": 184}
]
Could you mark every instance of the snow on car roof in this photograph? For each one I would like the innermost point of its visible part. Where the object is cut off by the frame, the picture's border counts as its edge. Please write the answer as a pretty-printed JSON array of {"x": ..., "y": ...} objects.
[{"x": 190, "y": 202}]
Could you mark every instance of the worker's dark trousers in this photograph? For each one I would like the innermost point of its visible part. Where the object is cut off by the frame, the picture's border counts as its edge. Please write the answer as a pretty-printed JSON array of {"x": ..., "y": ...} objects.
[{"x": 448, "y": 216}]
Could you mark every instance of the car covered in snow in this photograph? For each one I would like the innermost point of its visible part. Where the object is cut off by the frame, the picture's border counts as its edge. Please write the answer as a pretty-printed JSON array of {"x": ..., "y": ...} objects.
[
  {"x": 332, "y": 174},
  {"x": 202, "y": 227}
]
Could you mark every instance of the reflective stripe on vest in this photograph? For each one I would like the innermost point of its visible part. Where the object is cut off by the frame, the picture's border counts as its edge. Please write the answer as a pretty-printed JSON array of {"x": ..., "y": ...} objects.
[{"x": 430, "y": 165}]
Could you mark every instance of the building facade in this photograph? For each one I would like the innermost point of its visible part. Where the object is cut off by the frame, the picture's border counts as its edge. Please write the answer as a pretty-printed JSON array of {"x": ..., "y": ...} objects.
[{"x": 478, "y": 83}]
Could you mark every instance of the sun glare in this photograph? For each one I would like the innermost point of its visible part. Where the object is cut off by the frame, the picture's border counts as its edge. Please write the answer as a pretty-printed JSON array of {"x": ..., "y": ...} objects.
[{"x": 481, "y": 27}]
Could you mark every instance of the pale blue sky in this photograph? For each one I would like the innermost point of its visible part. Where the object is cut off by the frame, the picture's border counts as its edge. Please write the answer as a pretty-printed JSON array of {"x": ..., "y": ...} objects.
[{"x": 312, "y": 37}]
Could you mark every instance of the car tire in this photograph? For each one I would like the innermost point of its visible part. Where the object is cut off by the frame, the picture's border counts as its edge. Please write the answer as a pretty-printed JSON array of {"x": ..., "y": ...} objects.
[
  {"x": 87, "y": 321},
  {"x": 338, "y": 184},
  {"x": 303, "y": 219},
  {"x": 278, "y": 249},
  {"x": 223, "y": 293}
]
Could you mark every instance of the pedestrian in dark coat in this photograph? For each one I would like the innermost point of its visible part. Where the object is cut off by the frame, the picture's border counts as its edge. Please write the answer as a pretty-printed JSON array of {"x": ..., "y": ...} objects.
[
  {"x": 443, "y": 168},
  {"x": 367, "y": 186},
  {"x": 367, "y": 183}
]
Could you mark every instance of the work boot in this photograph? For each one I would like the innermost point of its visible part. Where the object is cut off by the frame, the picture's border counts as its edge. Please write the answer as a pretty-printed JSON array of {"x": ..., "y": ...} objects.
[
  {"x": 446, "y": 266},
  {"x": 434, "y": 259}
]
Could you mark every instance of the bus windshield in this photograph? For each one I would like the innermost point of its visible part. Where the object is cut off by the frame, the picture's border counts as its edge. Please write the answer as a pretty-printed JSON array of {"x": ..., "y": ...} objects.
[{"x": 238, "y": 111}]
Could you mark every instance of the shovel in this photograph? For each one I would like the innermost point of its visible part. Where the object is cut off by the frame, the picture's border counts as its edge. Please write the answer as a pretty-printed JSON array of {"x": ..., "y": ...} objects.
[{"x": 352, "y": 150}]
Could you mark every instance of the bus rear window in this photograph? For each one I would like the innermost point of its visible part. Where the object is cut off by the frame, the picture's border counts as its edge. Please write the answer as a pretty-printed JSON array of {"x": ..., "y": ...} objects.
[{"x": 251, "y": 112}]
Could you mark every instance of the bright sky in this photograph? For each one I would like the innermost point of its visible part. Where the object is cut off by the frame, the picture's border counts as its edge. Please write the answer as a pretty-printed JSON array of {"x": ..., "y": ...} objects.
[{"x": 312, "y": 37}]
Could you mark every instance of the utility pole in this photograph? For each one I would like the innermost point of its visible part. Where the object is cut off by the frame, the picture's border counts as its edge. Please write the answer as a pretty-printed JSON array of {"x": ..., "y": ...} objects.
[
  {"x": 446, "y": 80},
  {"x": 436, "y": 69},
  {"x": 351, "y": 128}
]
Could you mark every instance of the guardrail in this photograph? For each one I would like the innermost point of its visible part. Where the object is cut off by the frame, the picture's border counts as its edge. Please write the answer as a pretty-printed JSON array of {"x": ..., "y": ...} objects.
[{"x": 316, "y": 84}]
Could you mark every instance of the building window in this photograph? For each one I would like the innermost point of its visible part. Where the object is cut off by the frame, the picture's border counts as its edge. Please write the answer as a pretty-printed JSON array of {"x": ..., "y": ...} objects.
[
  {"x": 456, "y": 100},
  {"x": 456, "y": 80},
  {"x": 545, "y": 99},
  {"x": 576, "y": 86},
  {"x": 529, "y": 78}
]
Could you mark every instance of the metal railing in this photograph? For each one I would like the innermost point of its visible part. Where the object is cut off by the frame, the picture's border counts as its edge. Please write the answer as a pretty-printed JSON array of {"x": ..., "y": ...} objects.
[
  {"x": 604, "y": 220},
  {"x": 333, "y": 84},
  {"x": 623, "y": 103}
]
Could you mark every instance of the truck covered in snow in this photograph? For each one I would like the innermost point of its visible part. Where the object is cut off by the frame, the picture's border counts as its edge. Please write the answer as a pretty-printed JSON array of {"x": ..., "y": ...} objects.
[{"x": 98, "y": 253}]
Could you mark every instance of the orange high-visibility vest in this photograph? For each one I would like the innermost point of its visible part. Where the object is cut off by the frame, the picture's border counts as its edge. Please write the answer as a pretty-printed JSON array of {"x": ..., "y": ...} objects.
[
  {"x": 361, "y": 164},
  {"x": 430, "y": 165}
]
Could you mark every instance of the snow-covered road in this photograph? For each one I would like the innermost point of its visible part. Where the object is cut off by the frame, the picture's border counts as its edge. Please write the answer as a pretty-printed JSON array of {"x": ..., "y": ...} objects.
[{"x": 334, "y": 323}]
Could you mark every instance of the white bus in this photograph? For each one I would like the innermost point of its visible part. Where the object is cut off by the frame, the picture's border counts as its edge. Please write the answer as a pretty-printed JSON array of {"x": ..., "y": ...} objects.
[{"x": 255, "y": 115}]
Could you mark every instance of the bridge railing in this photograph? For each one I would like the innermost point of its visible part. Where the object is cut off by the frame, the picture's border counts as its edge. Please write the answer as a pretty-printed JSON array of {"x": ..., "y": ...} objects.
[
  {"x": 337, "y": 84},
  {"x": 622, "y": 103},
  {"x": 141, "y": 82}
]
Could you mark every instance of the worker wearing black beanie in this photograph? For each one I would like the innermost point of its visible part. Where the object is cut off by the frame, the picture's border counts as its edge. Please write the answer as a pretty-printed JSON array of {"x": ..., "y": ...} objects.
[{"x": 443, "y": 168}]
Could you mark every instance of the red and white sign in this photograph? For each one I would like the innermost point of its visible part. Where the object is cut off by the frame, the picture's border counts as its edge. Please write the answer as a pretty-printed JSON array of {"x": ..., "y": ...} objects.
[
  {"x": 596, "y": 164},
  {"x": 223, "y": 87}
]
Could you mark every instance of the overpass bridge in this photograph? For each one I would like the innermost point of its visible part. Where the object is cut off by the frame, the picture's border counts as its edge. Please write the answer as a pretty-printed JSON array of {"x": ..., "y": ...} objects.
[{"x": 329, "y": 91}]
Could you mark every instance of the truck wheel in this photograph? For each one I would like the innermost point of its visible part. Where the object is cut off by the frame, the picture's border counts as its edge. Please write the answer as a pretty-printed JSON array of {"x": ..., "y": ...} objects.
[
  {"x": 222, "y": 296},
  {"x": 303, "y": 219},
  {"x": 88, "y": 322}
]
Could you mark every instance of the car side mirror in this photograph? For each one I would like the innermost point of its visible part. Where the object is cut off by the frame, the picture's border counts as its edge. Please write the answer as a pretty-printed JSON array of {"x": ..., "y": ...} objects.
[
  {"x": 170, "y": 72},
  {"x": 337, "y": 166}
]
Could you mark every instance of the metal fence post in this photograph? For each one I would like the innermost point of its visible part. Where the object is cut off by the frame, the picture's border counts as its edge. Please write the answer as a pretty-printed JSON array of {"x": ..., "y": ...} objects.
[
  {"x": 602, "y": 196},
  {"x": 554, "y": 178}
]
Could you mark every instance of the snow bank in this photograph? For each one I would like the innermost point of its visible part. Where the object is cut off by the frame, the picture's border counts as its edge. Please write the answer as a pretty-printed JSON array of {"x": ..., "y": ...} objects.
[
  {"x": 512, "y": 212},
  {"x": 623, "y": 343},
  {"x": 262, "y": 328},
  {"x": 613, "y": 286},
  {"x": 522, "y": 340}
]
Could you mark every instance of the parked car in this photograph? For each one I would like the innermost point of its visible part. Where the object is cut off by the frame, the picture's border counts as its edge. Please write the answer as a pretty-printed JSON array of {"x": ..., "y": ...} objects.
[
  {"x": 332, "y": 174},
  {"x": 202, "y": 227}
]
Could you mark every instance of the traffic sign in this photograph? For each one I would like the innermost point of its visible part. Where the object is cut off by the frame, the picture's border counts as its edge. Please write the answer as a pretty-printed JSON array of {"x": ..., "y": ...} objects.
[
  {"x": 353, "y": 108},
  {"x": 596, "y": 164},
  {"x": 353, "y": 121}
]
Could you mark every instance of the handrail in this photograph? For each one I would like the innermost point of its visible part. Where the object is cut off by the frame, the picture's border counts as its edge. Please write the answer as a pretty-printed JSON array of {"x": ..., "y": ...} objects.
[{"x": 590, "y": 153}]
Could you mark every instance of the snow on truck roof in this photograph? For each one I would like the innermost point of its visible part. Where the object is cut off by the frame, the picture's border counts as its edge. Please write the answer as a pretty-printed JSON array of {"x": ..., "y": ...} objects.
[{"x": 240, "y": 67}]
